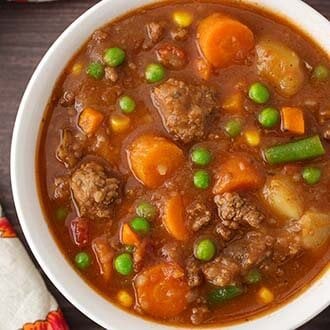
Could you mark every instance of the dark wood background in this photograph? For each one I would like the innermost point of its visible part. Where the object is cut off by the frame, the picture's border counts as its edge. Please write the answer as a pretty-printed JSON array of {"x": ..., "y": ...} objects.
[{"x": 26, "y": 32}]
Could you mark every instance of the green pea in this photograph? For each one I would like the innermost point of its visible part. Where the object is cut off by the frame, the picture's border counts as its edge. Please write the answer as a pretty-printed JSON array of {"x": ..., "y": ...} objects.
[
  {"x": 259, "y": 93},
  {"x": 321, "y": 73},
  {"x": 202, "y": 179},
  {"x": 205, "y": 250},
  {"x": 154, "y": 72},
  {"x": 140, "y": 225},
  {"x": 83, "y": 260},
  {"x": 114, "y": 56},
  {"x": 311, "y": 175},
  {"x": 95, "y": 70},
  {"x": 127, "y": 104},
  {"x": 124, "y": 264},
  {"x": 61, "y": 213},
  {"x": 146, "y": 210},
  {"x": 269, "y": 117},
  {"x": 201, "y": 156},
  {"x": 253, "y": 276},
  {"x": 233, "y": 127}
]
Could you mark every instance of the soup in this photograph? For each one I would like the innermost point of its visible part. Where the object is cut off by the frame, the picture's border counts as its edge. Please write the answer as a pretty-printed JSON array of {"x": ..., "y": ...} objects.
[{"x": 183, "y": 162}]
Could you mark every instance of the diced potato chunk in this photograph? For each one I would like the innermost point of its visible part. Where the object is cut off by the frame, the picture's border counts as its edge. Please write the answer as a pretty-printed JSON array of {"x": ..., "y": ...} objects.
[
  {"x": 280, "y": 65},
  {"x": 283, "y": 198},
  {"x": 315, "y": 229}
]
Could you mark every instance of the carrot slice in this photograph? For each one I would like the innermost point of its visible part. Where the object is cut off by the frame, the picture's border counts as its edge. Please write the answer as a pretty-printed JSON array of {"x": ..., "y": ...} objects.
[
  {"x": 153, "y": 159},
  {"x": 161, "y": 290},
  {"x": 238, "y": 172},
  {"x": 104, "y": 255},
  {"x": 293, "y": 120},
  {"x": 90, "y": 120},
  {"x": 173, "y": 219},
  {"x": 128, "y": 236},
  {"x": 224, "y": 40}
]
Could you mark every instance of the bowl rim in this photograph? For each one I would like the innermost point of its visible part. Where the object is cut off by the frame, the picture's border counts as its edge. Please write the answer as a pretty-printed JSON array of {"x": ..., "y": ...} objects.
[{"x": 73, "y": 288}]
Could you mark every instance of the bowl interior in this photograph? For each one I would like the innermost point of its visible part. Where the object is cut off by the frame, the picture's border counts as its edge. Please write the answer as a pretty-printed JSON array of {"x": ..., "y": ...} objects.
[{"x": 23, "y": 177}]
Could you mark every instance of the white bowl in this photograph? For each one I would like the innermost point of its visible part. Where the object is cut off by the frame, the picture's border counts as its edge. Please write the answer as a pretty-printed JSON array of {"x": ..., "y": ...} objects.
[{"x": 42, "y": 244}]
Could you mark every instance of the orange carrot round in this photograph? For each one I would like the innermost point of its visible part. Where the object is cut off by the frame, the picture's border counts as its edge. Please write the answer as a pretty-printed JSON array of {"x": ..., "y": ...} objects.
[
  {"x": 224, "y": 40},
  {"x": 161, "y": 290},
  {"x": 153, "y": 159}
]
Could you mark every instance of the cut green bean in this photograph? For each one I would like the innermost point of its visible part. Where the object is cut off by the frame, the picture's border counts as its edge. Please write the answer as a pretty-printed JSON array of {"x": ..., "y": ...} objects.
[
  {"x": 223, "y": 294},
  {"x": 295, "y": 151}
]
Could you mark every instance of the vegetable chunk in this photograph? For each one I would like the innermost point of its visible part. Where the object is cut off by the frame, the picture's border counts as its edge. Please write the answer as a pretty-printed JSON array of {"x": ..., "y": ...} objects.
[
  {"x": 224, "y": 41},
  {"x": 90, "y": 120},
  {"x": 173, "y": 218},
  {"x": 283, "y": 198},
  {"x": 280, "y": 65},
  {"x": 293, "y": 120},
  {"x": 238, "y": 172},
  {"x": 161, "y": 290},
  {"x": 153, "y": 159},
  {"x": 315, "y": 229}
]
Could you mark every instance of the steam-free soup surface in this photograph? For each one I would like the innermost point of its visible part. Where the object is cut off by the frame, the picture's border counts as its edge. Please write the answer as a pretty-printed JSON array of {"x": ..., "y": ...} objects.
[{"x": 184, "y": 166}]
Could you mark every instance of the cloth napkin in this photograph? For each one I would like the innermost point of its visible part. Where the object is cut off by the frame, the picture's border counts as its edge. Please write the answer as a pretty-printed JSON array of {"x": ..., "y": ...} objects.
[{"x": 25, "y": 302}]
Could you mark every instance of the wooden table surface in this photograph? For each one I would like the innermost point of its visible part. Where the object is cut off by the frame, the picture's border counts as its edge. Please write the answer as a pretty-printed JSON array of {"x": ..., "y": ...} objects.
[{"x": 26, "y": 32}]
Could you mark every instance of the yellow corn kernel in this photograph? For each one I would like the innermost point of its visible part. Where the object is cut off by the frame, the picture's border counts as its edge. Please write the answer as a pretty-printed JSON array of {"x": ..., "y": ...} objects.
[
  {"x": 76, "y": 69},
  {"x": 265, "y": 295},
  {"x": 119, "y": 123},
  {"x": 182, "y": 18},
  {"x": 124, "y": 298},
  {"x": 234, "y": 103},
  {"x": 252, "y": 137}
]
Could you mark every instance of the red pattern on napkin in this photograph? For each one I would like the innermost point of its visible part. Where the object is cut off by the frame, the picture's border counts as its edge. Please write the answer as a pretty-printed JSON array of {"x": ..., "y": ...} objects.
[
  {"x": 6, "y": 230},
  {"x": 54, "y": 321}
]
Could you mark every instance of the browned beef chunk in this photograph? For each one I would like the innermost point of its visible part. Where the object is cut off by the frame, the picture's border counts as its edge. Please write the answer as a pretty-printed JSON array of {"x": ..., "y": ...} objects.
[
  {"x": 62, "y": 187},
  {"x": 237, "y": 258},
  {"x": 199, "y": 314},
  {"x": 233, "y": 211},
  {"x": 67, "y": 99},
  {"x": 172, "y": 251},
  {"x": 94, "y": 191},
  {"x": 179, "y": 34},
  {"x": 198, "y": 215},
  {"x": 171, "y": 56},
  {"x": 70, "y": 149},
  {"x": 221, "y": 271},
  {"x": 193, "y": 270},
  {"x": 287, "y": 243},
  {"x": 251, "y": 250},
  {"x": 184, "y": 108},
  {"x": 154, "y": 33}
]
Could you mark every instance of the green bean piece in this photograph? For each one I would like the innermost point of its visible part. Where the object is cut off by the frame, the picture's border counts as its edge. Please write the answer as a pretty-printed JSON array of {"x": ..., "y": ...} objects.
[
  {"x": 223, "y": 294},
  {"x": 303, "y": 149}
]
